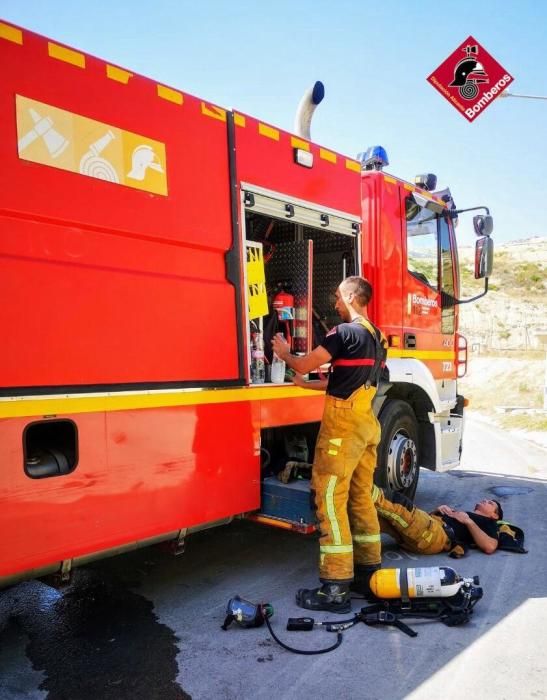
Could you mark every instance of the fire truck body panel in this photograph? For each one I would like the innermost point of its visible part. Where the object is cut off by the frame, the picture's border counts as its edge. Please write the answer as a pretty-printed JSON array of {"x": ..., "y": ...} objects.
[
  {"x": 266, "y": 159},
  {"x": 142, "y": 473},
  {"x": 383, "y": 250},
  {"x": 126, "y": 410},
  {"x": 145, "y": 262}
]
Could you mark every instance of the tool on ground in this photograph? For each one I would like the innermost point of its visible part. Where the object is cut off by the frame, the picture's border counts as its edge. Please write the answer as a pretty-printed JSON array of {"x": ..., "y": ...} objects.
[
  {"x": 451, "y": 603},
  {"x": 247, "y": 614}
]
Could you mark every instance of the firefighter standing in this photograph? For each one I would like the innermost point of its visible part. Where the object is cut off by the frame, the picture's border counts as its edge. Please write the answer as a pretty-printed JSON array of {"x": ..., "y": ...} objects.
[{"x": 345, "y": 452}]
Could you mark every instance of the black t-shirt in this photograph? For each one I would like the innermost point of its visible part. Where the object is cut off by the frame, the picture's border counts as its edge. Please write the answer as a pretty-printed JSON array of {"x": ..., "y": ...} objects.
[
  {"x": 461, "y": 531},
  {"x": 349, "y": 341}
]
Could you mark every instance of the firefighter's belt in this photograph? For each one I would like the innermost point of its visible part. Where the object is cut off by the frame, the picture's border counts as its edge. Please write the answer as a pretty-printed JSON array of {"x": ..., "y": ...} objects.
[{"x": 449, "y": 532}]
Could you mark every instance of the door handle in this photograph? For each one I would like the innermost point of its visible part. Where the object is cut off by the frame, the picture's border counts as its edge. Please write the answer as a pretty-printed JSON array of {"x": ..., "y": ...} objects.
[{"x": 410, "y": 341}]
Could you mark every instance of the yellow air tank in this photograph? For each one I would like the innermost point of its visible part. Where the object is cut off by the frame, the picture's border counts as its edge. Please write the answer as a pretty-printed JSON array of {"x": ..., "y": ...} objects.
[{"x": 424, "y": 582}]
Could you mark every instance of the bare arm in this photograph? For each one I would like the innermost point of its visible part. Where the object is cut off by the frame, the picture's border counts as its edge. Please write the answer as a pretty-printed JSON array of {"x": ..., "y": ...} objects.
[
  {"x": 480, "y": 538},
  {"x": 317, "y": 384},
  {"x": 301, "y": 364}
]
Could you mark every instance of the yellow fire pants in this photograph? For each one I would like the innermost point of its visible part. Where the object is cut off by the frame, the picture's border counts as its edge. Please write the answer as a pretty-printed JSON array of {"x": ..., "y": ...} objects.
[
  {"x": 414, "y": 529},
  {"x": 343, "y": 469}
]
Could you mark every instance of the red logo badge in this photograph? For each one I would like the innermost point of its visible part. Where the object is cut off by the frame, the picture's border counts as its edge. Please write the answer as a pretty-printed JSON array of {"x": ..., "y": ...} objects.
[{"x": 470, "y": 79}]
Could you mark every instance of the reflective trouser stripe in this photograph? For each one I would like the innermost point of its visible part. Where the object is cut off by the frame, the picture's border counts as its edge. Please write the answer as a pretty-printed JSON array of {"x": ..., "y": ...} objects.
[
  {"x": 342, "y": 479},
  {"x": 390, "y": 515},
  {"x": 367, "y": 538},
  {"x": 336, "y": 549},
  {"x": 331, "y": 511},
  {"x": 414, "y": 529},
  {"x": 375, "y": 493}
]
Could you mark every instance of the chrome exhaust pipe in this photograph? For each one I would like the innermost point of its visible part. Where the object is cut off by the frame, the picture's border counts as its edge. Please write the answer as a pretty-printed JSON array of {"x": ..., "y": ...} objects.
[{"x": 312, "y": 97}]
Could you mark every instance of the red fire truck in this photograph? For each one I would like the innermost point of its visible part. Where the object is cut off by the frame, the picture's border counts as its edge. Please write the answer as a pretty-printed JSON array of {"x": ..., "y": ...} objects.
[{"x": 143, "y": 234}]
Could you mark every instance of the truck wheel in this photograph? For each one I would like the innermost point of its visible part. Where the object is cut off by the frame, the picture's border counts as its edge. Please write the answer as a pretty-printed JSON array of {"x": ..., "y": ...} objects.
[{"x": 397, "y": 468}]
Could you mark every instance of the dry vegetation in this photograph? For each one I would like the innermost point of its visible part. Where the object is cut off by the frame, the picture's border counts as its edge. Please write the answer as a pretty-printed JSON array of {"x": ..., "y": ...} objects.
[
  {"x": 507, "y": 357},
  {"x": 494, "y": 382}
]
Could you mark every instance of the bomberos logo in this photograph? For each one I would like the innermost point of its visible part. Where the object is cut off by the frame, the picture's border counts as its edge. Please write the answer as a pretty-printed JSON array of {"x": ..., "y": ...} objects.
[
  {"x": 424, "y": 301},
  {"x": 470, "y": 79}
]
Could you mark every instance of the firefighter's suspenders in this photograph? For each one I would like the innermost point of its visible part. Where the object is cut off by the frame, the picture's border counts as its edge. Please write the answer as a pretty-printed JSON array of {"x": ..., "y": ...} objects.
[{"x": 380, "y": 355}]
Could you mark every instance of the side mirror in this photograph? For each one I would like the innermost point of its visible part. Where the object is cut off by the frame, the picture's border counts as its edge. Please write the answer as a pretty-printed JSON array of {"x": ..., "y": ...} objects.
[
  {"x": 483, "y": 225},
  {"x": 484, "y": 254}
]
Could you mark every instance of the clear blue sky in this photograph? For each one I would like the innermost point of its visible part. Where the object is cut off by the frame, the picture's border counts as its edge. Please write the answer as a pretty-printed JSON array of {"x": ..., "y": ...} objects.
[{"x": 372, "y": 57}]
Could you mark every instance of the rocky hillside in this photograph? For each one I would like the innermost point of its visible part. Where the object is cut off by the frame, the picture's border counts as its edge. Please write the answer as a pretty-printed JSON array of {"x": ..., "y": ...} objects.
[
  {"x": 512, "y": 316},
  {"x": 507, "y": 335}
]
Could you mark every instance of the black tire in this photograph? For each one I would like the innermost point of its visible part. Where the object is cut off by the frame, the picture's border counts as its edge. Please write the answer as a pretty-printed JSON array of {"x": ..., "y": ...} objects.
[{"x": 398, "y": 452}]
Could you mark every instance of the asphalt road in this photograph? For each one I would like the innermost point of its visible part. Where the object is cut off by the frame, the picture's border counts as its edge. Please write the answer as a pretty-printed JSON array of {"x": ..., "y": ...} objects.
[{"x": 147, "y": 625}]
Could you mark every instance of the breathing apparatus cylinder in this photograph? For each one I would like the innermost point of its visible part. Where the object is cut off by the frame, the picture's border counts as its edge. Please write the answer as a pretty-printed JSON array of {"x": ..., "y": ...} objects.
[{"x": 424, "y": 582}]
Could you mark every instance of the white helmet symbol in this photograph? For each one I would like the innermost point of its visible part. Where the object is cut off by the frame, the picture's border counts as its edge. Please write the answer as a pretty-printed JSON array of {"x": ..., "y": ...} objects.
[{"x": 143, "y": 157}]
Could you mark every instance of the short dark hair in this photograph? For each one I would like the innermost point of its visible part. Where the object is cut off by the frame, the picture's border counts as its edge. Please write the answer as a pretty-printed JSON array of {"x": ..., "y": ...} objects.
[
  {"x": 360, "y": 287},
  {"x": 500, "y": 509}
]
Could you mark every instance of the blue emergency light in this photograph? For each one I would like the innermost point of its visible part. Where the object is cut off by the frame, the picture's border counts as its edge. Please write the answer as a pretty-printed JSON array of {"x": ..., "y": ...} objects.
[{"x": 374, "y": 158}]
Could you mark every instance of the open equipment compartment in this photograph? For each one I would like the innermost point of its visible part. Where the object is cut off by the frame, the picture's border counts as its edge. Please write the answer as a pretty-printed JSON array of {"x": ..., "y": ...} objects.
[{"x": 304, "y": 264}]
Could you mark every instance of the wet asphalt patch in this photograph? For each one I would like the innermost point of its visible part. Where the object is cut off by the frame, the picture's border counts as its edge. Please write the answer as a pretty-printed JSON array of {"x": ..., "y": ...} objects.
[
  {"x": 510, "y": 490},
  {"x": 99, "y": 639}
]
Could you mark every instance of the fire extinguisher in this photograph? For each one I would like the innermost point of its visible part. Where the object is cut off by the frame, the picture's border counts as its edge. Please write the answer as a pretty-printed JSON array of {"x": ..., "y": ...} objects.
[{"x": 283, "y": 303}]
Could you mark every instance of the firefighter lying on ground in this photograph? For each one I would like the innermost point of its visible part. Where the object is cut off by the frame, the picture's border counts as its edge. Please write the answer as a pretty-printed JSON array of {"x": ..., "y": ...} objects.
[
  {"x": 443, "y": 530},
  {"x": 345, "y": 452}
]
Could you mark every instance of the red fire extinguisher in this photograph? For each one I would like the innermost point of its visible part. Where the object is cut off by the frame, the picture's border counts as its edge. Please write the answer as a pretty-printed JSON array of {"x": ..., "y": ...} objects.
[{"x": 283, "y": 303}]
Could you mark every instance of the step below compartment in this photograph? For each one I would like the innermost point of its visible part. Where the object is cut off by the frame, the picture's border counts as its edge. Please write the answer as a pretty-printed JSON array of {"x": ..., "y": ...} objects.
[
  {"x": 287, "y": 455},
  {"x": 287, "y": 505}
]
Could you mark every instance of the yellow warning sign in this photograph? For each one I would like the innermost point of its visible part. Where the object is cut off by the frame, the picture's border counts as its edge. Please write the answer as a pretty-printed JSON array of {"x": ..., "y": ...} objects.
[
  {"x": 256, "y": 281},
  {"x": 68, "y": 141}
]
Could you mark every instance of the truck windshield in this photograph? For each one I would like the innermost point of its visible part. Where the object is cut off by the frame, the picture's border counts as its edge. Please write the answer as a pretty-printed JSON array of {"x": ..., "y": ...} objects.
[{"x": 422, "y": 243}]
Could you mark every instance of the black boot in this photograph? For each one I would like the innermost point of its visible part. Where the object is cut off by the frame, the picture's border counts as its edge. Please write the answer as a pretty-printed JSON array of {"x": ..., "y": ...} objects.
[
  {"x": 361, "y": 580},
  {"x": 332, "y": 596}
]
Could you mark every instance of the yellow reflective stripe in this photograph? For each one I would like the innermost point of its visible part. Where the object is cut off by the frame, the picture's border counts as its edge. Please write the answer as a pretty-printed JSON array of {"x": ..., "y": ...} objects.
[
  {"x": 336, "y": 549},
  {"x": 332, "y": 452},
  {"x": 353, "y": 165},
  {"x": 270, "y": 132},
  {"x": 10, "y": 33},
  {"x": 331, "y": 511},
  {"x": 167, "y": 93},
  {"x": 299, "y": 143},
  {"x": 118, "y": 74},
  {"x": 375, "y": 493},
  {"x": 336, "y": 441},
  {"x": 22, "y": 406},
  {"x": 61, "y": 53},
  {"x": 327, "y": 155},
  {"x": 388, "y": 515},
  {"x": 422, "y": 354},
  {"x": 367, "y": 538},
  {"x": 213, "y": 111}
]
